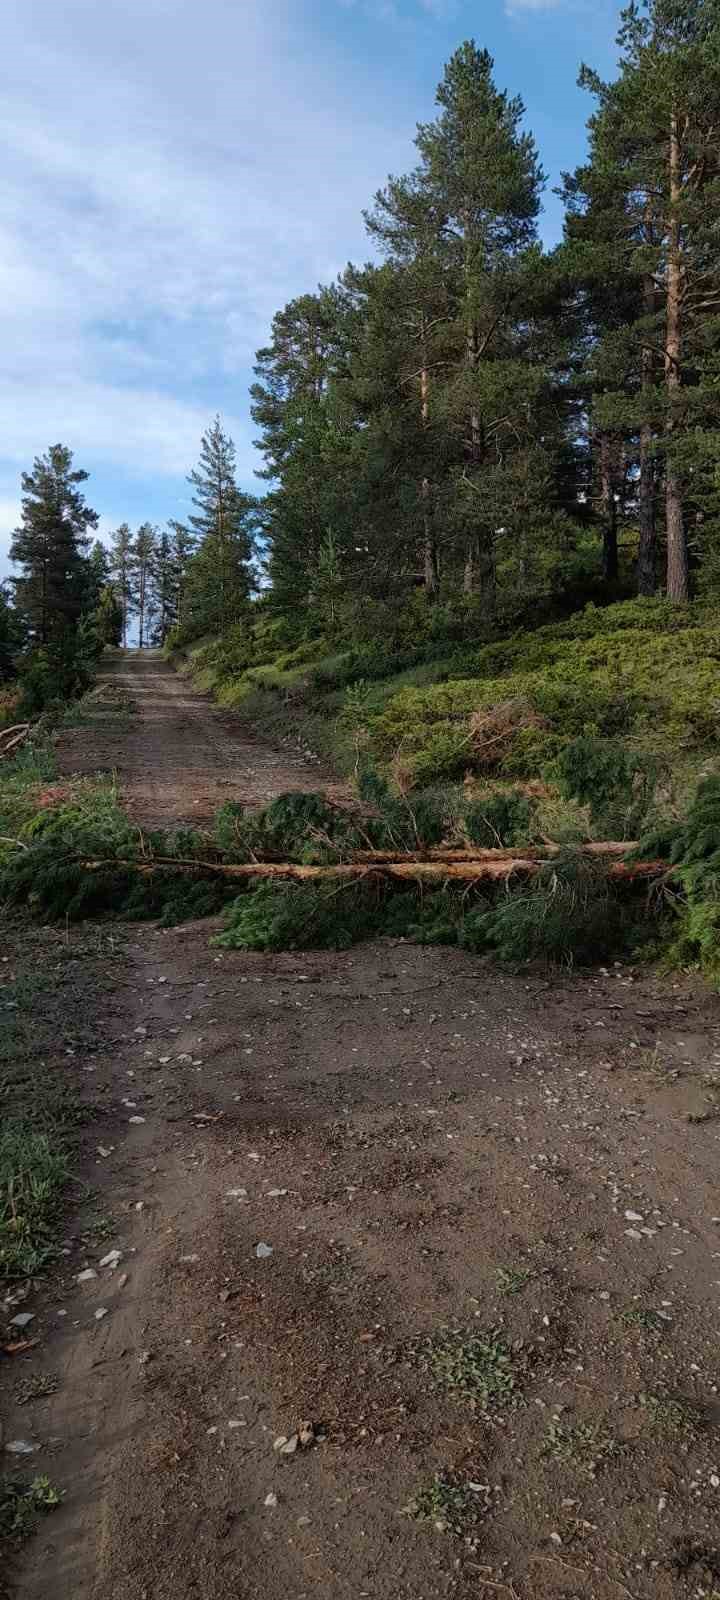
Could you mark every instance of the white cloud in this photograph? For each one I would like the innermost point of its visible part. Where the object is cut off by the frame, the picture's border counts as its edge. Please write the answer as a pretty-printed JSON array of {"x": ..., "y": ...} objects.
[{"x": 170, "y": 179}]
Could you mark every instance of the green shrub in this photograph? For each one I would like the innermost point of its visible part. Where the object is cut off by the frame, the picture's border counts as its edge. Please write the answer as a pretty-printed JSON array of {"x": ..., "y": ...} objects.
[
  {"x": 692, "y": 848},
  {"x": 568, "y": 914},
  {"x": 501, "y": 817},
  {"x": 299, "y": 916},
  {"x": 616, "y": 784}
]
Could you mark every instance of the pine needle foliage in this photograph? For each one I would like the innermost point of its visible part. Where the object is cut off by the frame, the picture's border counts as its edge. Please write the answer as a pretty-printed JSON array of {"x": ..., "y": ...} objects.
[{"x": 692, "y": 848}]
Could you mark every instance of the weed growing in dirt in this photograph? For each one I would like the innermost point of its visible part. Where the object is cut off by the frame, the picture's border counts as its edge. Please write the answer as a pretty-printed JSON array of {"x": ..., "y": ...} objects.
[
  {"x": 33, "y": 1173},
  {"x": 453, "y": 1504},
  {"x": 479, "y": 1367},
  {"x": 512, "y": 1280},
  {"x": 585, "y": 1445},
  {"x": 647, "y": 1321},
  {"x": 36, "y": 1387},
  {"x": 22, "y": 1503},
  {"x": 673, "y": 1414}
]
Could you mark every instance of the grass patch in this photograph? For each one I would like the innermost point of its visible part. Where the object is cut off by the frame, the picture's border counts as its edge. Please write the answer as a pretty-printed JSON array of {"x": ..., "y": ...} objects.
[
  {"x": 647, "y": 1321},
  {"x": 587, "y": 1446},
  {"x": 33, "y": 1174},
  {"x": 452, "y": 1504},
  {"x": 673, "y": 1414},
  {"x": 480, "y": 1368}
]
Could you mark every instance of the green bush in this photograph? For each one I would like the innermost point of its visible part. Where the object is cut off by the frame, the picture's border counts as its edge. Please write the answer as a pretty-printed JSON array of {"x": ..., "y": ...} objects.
[
  {"x": 567, "y": 915},
  {"x": 616, "y": 784},
  {"x": 692, "y": 848},
  {"x": 299, "y": 916},
  {"x": 501, "y": 817}
]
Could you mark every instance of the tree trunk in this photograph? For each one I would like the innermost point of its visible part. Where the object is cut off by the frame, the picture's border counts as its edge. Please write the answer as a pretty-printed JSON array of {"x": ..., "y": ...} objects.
[
  {"x": 608, "y": 480},
  {"x": 647, "y": 541},
  {"x": 677, "y": 555},
  {"x": 141, "y": 607},
  {"x": 472, "y": 574},
  {"x": 429, "y": 549}
]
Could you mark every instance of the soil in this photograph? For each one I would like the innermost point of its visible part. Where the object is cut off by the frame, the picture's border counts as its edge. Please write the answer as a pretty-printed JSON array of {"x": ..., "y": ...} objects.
[
  {"x": 176, "y": 757},
  {"x": 453, "y": 1170}
]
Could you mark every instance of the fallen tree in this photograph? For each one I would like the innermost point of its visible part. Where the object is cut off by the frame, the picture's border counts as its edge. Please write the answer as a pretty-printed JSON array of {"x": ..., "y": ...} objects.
[{"x": 490, "y": 867}]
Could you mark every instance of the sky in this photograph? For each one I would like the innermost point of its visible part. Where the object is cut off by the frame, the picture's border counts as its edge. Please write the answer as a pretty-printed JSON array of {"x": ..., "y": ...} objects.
[{"x": 176, "y": 170}]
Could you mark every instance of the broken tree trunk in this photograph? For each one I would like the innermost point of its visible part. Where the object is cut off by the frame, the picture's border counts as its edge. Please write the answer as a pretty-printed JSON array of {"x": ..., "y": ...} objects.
[{"x": 468, "y": 870}]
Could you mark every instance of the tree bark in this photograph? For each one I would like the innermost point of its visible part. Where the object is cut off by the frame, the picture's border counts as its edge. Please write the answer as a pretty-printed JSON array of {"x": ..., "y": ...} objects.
[
  {"x": 429, "y": 548},
  {"x": 647, "y": 540},
  {"x": 608, "y": 481},
  {"x": 471, "y": 871},
  {"x": 678, "y": 588}
]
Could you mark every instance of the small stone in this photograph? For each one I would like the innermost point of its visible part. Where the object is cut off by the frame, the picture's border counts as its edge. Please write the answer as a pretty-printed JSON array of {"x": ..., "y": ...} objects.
[
  {"x": 136, "y": 1119},
  {"x": 236, "y": 1194},
  {"x": 280, "y": 1441},
  {"x": 632, "y": 1233},
  {"x": 634, "y": 1216},
  {"x": 187, "y": 1261},
  {"x": 714, "y": 1480},
  {"x": 20, "y": 1447},
  {"x": 290, "y": 1445},
  {"x": 23, "y": 1319},
  {"x": 262, "y": 1251},
  {"x": 112, "y": 1259},
  {"x": 276, "y": 1194},
  {"x": 101, "y": 1312},
  {"x": 86, "y": 1276},
  {"x": 105, "y": 1150},
  {"x": 270, "y": 1499},
  {"x": 555, "y": 1537},
  {"x": 122, "y": 1280}
]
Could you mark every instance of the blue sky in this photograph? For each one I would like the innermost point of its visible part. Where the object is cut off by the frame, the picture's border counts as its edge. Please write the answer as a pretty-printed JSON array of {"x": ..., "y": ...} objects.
[{"x": 174, "y": 172}]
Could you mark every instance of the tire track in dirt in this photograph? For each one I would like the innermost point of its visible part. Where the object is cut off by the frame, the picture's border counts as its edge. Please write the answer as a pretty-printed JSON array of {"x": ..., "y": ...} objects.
[{"x": 176, "y": 756}]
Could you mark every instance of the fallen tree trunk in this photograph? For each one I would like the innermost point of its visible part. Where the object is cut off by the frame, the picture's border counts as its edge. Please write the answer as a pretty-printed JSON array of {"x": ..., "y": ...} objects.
[
  {"x": 465, "y": 871},
  {"x": 21, "y": 730},
  {"x": 546, "y": 852}
]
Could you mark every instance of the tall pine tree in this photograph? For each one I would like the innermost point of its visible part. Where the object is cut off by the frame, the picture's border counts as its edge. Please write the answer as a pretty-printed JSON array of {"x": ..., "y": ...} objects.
[{"x": 50, "y": 546}]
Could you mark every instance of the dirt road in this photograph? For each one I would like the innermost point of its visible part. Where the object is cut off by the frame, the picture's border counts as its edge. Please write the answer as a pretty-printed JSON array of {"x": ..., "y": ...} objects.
[
  {"x": 176, "y": 756},
  {"x": 464, "y": 1223}
]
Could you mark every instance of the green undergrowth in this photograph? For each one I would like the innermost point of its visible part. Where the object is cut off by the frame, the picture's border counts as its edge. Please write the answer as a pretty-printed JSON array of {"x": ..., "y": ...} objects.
[{"x": 642, "y": 673}]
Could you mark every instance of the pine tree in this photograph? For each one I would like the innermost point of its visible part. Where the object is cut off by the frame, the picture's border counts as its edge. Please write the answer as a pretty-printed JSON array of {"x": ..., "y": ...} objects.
[
  {"x": 481, "y": 175},
  {"x": 656, "y": 129},
  {"x": 223, "y": 523},
  {"x": 182, "y": 545},
  {"x": 301, "y": 445},
  {"x": 143, "y": 556},
  {"x": 50, "y": 545},
  {"x": 122, "y": 574}
]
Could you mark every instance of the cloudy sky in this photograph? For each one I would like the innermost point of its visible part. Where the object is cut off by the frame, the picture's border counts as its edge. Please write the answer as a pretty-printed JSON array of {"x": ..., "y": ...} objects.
[{"x": 174, "y": 171}]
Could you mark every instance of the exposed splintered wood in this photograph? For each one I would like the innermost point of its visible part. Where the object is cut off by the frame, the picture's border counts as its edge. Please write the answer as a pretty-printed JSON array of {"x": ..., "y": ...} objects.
[
  {"x": 476, "y": 870},
  {"x": 472, "y": 853},
  {"x": 21, "y": 732}
]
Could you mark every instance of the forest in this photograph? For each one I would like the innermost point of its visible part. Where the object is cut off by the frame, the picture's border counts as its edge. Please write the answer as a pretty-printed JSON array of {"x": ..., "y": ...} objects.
[{"x": 483, "y": 576}]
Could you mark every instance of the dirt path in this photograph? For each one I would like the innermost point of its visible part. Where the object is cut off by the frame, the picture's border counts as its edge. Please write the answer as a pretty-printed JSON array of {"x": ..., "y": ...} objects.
[
  {"x": 489, "y": 1277},
  {"x": 176, "y": 756}
]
